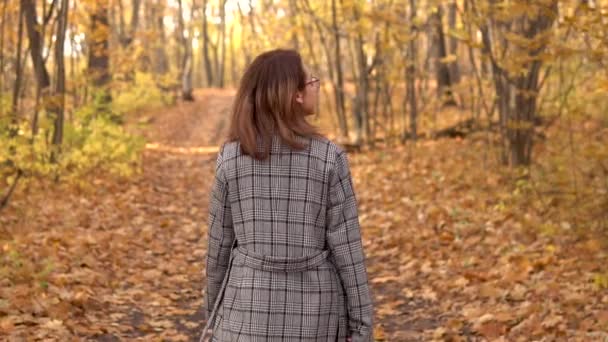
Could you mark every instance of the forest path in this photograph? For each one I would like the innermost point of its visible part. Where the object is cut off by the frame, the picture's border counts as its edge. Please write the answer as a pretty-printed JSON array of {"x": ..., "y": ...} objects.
[{"x": 448, "y": 257}]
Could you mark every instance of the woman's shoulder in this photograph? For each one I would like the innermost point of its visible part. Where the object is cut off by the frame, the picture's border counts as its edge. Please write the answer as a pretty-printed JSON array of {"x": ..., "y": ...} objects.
[
  {"x": 330, "y": 147},
  {"x": 320, "y": 145},
  {"x": 229, "y": 149}
]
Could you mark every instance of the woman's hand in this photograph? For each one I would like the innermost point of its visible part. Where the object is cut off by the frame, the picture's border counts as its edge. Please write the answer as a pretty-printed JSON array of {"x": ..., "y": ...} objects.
[{"x": 349, "y": 339}]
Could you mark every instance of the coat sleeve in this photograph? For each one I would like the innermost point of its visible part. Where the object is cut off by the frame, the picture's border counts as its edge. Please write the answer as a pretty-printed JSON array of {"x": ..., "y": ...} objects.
[
  {"x": 344, "y": 241},
  {"x": 220, "y": 235}
]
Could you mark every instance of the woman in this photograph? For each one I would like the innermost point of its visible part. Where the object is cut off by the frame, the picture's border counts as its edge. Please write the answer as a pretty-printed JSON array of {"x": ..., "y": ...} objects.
[{"x": 285, "y": 260}]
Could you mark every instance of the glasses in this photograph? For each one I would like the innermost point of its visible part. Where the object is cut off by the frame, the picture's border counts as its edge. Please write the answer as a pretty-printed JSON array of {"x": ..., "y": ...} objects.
[{"x": 314, "y": 81}]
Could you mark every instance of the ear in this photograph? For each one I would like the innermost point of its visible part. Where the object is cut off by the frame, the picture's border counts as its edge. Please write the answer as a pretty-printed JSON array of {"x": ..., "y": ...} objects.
[{"x": 299, "y": 97}]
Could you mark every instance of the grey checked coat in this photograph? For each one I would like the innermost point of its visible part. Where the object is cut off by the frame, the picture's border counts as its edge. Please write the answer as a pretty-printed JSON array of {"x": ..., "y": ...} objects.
[{"x": 296, "y": 271}]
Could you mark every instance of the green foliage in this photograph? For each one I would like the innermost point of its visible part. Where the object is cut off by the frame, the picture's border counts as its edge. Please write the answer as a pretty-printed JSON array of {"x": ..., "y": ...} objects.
[
  {"x": 143, "y": 93},
  {"x": 92, "y": 142},
  {"x": 99, "y": 144}
]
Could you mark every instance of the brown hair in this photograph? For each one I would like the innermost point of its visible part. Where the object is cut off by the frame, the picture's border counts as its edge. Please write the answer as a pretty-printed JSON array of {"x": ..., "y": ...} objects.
[{"x": 265, "y": 103}]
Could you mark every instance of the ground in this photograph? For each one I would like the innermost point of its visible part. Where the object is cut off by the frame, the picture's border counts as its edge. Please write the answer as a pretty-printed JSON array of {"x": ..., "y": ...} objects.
[{"x": 446, "y": 259}]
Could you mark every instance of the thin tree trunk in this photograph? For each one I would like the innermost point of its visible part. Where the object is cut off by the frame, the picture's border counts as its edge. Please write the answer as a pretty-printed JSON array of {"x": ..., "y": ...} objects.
[
  {"x": 339, "y": 85},
  {"x": 233, "y": 66},
  {"x": 18, "y": 72},
  {"x": 161, "y": 62},
  {"x": 74, "y": 58},
  {"x": 59, "y": 91},
  {"x": 411, "y": 74},
  {"x": 444, "y": 82},
  {"x": 134, "y": 21},
  {"x": 186, "y": 62},
  {"x": 13, "y": 130},
  {"x": 99, "y": 59},
  {"x": 453, "y": 43},
  {"x": 2, "y": 74},
  {"x": 377, "y": 90},
  {"x": 28, "y": 10},
  {"x": 362, "y": 91},
  {"x": 206, "y": 57},
  {"x": 35, "y": 39},
  {"x": 9, "y": 193},
  {"x": 222, "y": 45}
]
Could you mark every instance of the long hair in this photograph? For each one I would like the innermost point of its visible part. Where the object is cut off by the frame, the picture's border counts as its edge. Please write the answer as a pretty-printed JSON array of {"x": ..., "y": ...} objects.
[{"x": 265, "y": 104}]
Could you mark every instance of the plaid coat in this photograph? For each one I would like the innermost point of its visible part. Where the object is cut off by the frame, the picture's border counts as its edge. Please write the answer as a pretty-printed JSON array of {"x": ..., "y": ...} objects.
[{"x": 285, "y": 260}]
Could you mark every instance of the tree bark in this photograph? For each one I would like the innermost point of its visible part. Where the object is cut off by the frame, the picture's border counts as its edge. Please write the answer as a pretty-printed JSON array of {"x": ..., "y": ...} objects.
[
  {"x": 361, "y": 103},
  {"x": 186, "y": 62},
  {"x": 221, "y": 46},
  {"x": 59, "y": 89},
  {"x": 206, "y": 57},
  {"x": 2, "y": 74},
  {"x": 18, "y": 71},
  {"x": 98, "y": 58},
  {"x": 28, "y": 10},
  {"x": 339, "y": 85},
  {"x": 31, "y": 23},
  {"x": 453, "y": 43},
  {"x": 233, "y": 66},
  {"x": 411, "y": 74},
  {"x": 444, "y": 82},
  {"x": 161, "y": 62}
]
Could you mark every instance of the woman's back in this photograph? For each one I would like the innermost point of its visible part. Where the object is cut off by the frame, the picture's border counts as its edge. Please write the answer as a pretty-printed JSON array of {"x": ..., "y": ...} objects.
[
  {"x": 285, "y": 260},
  {"x": 279, "y": 205}
]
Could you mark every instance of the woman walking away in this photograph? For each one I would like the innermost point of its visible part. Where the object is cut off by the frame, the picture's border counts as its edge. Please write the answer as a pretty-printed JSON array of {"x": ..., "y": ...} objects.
[{"x": 285, "y": 260}]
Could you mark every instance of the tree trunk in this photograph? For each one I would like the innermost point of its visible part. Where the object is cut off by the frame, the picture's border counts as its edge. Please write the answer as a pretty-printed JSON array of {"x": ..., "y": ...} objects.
[
  {"x": 444, "y": 82},
  {"x": 233, "y": 66},
  {"x": 28, "y": 10},
  {"x": 18, "y": 71},
  {"x": 361, "y": 101},
  {"x": 134, "y": 21},
  {"x": 221, "y": 46},
  {"x": 31, "y": 23},
  {"x": 59, "y": 89},
  {"x": 517, "y": 95},
  {"x": 186, "y": 62},
  {"x": 206, "y": 57},
  {"x": 161, "y": 62},
  {"x": 99, "y": 58},
  {"x": 411, "y": 74},
  {"x": 2, "y": 74},
  {"x": 453, "y": 43},
  {"x": 339, "y": 85}
]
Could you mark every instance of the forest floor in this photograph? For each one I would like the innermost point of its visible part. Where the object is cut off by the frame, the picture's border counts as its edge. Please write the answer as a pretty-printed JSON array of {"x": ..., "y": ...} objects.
[{"x": 450, "y": 257}]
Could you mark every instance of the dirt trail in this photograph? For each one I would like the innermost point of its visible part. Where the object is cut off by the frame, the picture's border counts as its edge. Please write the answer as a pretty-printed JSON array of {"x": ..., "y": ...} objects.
[{"x": 169, "y": 247}]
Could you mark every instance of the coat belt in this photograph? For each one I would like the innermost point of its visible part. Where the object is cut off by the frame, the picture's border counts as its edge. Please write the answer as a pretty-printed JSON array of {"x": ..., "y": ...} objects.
[{"x": 281, "y": 264}]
